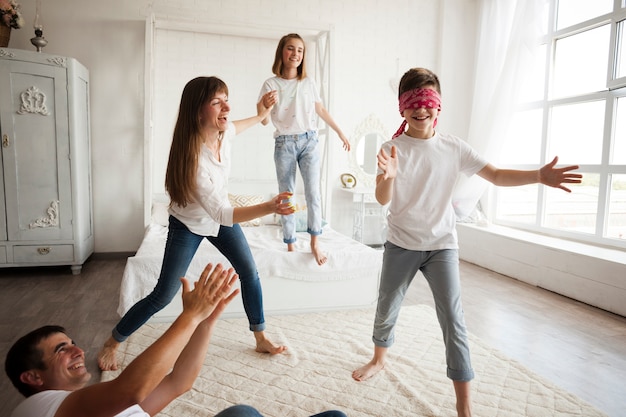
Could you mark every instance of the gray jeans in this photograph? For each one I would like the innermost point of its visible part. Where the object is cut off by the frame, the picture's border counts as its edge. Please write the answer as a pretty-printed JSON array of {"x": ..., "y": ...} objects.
[{"x": 441, "y": 270}]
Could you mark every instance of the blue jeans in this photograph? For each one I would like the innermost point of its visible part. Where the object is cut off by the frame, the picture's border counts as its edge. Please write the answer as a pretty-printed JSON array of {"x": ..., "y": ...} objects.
[
  {"x": 290, "y": 152},
  {"x": 247, "y": 411},
  {"x": 441, "y": 270},
  {"x": 180, "y": 248}
]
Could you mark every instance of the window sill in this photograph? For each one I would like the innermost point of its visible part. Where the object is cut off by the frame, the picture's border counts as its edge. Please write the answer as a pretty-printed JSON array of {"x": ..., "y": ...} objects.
[{"x": 587, "y": 273}]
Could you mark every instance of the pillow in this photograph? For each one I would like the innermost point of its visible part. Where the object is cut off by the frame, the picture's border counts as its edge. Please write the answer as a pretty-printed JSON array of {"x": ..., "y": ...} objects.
[{"x": 241, "y": 200}]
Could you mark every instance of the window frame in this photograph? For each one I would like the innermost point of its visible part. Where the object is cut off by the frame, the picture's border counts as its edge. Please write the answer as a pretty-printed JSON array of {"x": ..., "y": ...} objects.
[{"x": 614, "y": 90}]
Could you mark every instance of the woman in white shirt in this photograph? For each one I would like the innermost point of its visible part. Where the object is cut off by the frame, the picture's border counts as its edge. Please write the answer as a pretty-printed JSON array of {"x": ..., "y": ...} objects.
[{"x": 196, "y": 181}]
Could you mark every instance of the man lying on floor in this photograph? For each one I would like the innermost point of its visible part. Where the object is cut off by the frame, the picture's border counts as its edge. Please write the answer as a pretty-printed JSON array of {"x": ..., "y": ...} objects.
[{"x": 49, "y": 369}]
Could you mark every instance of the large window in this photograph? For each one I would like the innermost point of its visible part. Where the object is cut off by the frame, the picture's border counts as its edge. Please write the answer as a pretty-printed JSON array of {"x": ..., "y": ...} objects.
[{"x": 574, "y": 107}]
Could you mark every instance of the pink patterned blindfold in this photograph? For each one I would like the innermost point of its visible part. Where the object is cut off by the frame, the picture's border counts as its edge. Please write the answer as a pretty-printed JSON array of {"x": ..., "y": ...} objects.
[{"x": 414, "y": 99}]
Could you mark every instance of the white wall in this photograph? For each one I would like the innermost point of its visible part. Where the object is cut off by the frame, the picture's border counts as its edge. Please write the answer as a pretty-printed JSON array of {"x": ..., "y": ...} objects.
[{"x": 374, "y": 42}]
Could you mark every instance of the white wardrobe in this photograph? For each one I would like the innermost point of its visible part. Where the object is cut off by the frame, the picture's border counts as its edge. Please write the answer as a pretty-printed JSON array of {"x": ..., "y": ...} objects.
[{"x": 45, "y": 175}]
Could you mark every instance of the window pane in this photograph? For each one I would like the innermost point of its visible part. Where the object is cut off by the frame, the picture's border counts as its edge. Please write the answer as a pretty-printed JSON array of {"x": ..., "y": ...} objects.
[
  {"x": 576, "y": 132},
  {"x": 620, "y": 70},
  {"x": 522, "y": 141},
  {"x": 532, "y": 87},
  {"x": 517, "y": 204},
  {"x": 581, "y": 62},
  {"x": 571, "y": 12},
  {"x": 618, "y": 156},
  {"x": 575, "y": 211},
  {"x": 617, "y": 208}
]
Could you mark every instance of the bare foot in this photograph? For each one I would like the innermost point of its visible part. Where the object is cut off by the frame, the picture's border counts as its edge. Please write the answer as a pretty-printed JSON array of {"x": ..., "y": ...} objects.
[
  {"x": 264, "y": 345},
  {"x": 107, "y": 360},
  {"x": 291, "y": 247},
  {"x": 320, "y": 257},
  {"x": 367, "y": 371}
]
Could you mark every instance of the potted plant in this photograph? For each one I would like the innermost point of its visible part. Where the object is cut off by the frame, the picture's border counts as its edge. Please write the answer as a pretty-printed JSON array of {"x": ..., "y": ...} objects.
[{"x": 10, "y": 18}]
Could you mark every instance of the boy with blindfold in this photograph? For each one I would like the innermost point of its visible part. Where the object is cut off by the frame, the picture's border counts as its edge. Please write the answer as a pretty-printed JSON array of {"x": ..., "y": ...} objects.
[{"x": 417, "y": 171}]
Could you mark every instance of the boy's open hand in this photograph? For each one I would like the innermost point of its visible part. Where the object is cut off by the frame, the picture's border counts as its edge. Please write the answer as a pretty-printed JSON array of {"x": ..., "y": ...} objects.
[
  {"x": 388, "y": 163},
  {"x": 556, "y": 177}
]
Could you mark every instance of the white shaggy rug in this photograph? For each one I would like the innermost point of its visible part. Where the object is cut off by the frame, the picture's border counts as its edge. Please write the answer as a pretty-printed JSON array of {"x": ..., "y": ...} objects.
[{"x": 323, "y": 350}]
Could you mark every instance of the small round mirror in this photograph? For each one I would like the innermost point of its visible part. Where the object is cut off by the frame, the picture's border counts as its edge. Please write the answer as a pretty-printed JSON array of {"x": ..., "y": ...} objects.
[{"x": 365, "y": 143}]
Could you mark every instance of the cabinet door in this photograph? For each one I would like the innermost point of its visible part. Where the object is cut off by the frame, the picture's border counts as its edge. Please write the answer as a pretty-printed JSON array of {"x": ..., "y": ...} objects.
[{"x": 35, "y": 151}]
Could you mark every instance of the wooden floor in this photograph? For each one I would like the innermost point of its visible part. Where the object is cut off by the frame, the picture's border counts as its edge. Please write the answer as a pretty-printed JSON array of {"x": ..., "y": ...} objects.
[{"x": 578, "y": 347}]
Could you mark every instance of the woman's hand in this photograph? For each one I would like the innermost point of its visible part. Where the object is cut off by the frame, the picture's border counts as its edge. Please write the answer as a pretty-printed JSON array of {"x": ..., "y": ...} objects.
[
  {"x": 266, "y": 103},
  {"x": 281, "y": 204}
]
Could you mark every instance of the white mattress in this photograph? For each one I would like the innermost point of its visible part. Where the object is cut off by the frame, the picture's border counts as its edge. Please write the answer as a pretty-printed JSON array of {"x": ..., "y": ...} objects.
[{"x": 292, "y": 281}]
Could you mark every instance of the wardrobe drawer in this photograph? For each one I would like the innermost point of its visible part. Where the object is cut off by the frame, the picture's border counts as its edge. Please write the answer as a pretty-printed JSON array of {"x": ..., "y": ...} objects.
[
  {"x": 3, "y": 254},
  {"x": 43, "y": 253}
]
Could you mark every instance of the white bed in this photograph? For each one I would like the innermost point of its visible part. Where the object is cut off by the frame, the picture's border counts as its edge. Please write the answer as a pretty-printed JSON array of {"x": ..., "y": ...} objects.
[{"x": 292, "y": 281}]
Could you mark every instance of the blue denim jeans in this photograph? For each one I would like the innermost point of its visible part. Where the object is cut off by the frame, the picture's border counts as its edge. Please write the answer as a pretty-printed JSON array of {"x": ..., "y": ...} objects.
[
  {"x": 180, "y": 247},
  {"x": 290, "y": 152},
  {"x": 441, "y": 270},
  {"x": 247, "y": 411}
]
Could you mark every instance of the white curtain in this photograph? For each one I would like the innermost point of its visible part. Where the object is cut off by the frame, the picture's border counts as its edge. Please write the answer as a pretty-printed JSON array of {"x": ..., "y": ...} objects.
[{"x": 508, "y": 34}]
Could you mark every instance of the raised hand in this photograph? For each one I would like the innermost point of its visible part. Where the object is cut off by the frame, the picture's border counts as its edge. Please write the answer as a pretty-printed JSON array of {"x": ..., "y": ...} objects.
[
  {"x": 388, "y": 163},
  {"x": 556, "y": 177},
  {"x": 266, "y": 103},
  {"x": 211, "y": 292}
]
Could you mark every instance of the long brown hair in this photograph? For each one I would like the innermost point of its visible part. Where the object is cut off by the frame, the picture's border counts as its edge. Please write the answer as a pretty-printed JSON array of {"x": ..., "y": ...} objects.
[
  {"x": 277, "y": 67},
  {"x": 182, "y": 165}
]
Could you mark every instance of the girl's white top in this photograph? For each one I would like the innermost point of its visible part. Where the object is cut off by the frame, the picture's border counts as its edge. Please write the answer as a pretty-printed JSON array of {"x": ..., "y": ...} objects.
[{"x": 294, "y": 112}]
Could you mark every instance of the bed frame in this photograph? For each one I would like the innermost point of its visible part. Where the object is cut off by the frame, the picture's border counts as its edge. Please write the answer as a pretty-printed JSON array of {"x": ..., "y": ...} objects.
[{"x": 292, "y": 282}]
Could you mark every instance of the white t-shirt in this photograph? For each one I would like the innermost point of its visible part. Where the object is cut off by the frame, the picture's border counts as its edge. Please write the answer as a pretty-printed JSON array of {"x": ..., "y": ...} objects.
[
  {"x": 211, "y": 207},
  {"x": 294, "y": 112},
  {"x": 46, "y": 404},
  {"x": 421, "y": 216}
]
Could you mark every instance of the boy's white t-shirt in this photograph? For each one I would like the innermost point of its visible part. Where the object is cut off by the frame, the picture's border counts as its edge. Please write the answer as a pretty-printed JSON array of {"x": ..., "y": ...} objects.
[
  {"x": 421, "y": 216},
  {"x": 294, "y": 112},
  {"x": 211, "y": 207},
  {"x": 46, "y": 404}
]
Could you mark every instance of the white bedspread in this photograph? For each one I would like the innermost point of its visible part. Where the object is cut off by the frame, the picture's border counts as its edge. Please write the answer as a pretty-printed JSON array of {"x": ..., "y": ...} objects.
[{"x": 357, "y": 266}]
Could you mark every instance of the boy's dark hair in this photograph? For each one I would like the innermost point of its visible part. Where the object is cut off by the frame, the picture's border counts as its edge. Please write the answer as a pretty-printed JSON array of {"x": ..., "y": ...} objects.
[
  {"x": 24, "y": 355},
  {"x": 418, "y": 78}
]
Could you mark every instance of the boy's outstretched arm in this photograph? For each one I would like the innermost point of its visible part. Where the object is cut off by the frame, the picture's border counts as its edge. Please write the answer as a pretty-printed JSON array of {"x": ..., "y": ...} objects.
[{"x": 547, "y": 175}]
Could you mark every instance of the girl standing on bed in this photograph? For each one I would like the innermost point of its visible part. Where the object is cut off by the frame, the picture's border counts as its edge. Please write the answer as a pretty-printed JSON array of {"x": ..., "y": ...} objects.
[
  {"x": 196, "y": 180},
  {"x": 295, "y": 138}
]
